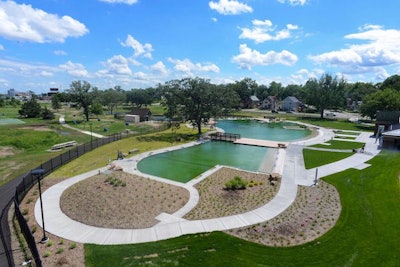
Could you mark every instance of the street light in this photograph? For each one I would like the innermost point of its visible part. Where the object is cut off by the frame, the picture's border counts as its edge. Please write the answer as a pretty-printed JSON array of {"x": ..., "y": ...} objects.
[
  {"x": 91, "y": 133},
  {"x": 38, "y": 173}
]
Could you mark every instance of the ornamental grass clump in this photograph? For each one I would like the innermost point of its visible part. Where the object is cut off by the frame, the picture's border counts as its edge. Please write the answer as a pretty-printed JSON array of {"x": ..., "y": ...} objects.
[{"x": 237, "y": 183}]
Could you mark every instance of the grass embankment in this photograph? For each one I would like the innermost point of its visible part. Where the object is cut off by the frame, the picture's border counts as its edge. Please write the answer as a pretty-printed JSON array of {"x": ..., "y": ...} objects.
[
  {"x": 101, "y": 156},
  {"x": 367, "y": 233},
  {"x": 315, "y": 158}
]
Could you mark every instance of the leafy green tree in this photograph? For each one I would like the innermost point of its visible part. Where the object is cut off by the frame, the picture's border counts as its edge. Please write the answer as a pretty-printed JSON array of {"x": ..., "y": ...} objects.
[
  {"x": 383, "y": 100},
  {"x": 30, "y": 109},
  {"x": 81, "y": 93},
  {"x": 327, "y": 92},
  {"x": 2, "y": 102},
  {"x": 391, "y": 82},
  {"x": 55, "y": 102},
  {"x": 140, "y": 97},
  {"x": 196, "y": 100},
  {"x": 357, "y": 91},
  {"x": 96, "y": 108},
  {"x": 112, "y": 97},
  {"x": 47, "y": 114}
]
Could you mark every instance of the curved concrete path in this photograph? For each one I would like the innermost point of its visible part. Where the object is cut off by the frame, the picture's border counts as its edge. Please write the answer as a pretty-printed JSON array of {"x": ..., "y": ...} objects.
[{"x": 290, "y": 164}]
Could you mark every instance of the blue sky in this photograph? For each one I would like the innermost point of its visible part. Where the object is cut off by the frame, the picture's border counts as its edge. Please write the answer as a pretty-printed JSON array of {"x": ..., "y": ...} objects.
[{"x": 140, "y": 43}]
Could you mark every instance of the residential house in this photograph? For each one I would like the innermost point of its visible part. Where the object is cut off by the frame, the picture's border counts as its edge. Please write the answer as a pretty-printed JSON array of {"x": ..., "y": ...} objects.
[
  {"x": 270, "y": 103},
  {"x": 291, "y": 103}
]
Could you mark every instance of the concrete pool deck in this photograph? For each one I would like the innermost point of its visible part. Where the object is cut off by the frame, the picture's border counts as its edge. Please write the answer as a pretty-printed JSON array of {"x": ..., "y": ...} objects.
[{"x": 289, "y": 163}]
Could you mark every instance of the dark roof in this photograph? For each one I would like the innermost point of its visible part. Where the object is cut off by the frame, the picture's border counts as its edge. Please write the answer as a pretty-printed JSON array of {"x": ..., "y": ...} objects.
[
  {"x": 142, "y": 112},
  {"x": 389, "y": 116}
]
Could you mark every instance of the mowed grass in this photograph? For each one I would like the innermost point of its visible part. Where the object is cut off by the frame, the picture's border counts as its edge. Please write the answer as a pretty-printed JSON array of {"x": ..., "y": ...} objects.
[
  {"x": 337, "y": 144},
  {"x": 316, "y": 158},
  {"x": 367, "y": 233}
]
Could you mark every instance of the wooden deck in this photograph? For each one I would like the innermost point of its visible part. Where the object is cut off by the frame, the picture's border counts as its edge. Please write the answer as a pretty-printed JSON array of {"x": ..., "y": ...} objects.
[{"x": 263, "y": 143}]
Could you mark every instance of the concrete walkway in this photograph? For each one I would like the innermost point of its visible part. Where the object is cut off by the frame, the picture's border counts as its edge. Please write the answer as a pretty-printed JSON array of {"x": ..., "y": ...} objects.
[
  {"x": 61, "y": 120},
  {"x": 289, "y": 163}
]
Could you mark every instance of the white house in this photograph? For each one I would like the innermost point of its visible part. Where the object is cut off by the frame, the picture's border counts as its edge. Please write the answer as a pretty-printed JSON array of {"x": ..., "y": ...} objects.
[{"x": 291, "y": 103}]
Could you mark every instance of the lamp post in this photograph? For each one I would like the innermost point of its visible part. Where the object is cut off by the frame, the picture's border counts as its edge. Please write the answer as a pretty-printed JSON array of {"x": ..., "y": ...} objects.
[
  {"x": 91, "y": 132},
  {"x": 38, "y": 173}
]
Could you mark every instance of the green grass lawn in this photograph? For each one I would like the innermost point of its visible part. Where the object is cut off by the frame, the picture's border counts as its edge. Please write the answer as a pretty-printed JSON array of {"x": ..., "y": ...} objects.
[
  {"x": 367, "y": 233},
  {"x": 315, "y": 158},
  {"x": 337, "y": 144}
]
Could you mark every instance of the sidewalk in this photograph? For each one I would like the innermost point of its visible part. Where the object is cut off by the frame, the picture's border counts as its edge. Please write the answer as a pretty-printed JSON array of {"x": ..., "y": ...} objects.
[{"x": 290, "y": 163}]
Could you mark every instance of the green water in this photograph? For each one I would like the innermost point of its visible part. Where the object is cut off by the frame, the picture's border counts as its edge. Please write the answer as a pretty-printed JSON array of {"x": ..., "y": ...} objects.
[
  {"x": 185, "y": 164},
  {"x": 264, "y": 131}
]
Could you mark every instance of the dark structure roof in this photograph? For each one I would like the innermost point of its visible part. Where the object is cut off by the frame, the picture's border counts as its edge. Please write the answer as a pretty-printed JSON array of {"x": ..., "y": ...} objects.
[{"x": 388, "y": 116}]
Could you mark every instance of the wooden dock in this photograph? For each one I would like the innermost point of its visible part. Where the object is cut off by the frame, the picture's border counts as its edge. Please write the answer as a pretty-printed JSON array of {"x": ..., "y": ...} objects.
[
  {"x": 263, "y": 143},
  {"x": 230, "y": 137}
]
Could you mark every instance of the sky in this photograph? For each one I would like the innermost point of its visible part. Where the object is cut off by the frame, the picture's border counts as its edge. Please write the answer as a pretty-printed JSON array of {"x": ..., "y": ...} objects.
[{"x": 143, "y": 43}]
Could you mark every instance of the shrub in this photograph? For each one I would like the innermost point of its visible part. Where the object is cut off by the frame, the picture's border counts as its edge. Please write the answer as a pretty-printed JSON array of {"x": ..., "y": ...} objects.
[
  {"x": 72, "y": 245},
  {"x": 236, "y": 183}
]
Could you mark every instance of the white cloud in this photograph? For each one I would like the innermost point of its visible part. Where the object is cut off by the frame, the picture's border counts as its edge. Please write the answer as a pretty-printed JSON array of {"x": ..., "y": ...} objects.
[
  {"x": 138, "y": 48},
  {"x": 263, "y": 31},
  {"x": 46, "y": 73},
  {"x": 128, "y": 2},
  {"x": 60, "y": 53},
  {"x": 188, "y": 67},
  {"x": 159, "y": 68},
  {"x": 294, "y": 2},
  {"x": 1, "y": 47},
  {"x": 249, "y": 58},
  {"x": 118, "y": 65},
  {"x": 75, "y": 69},
  {"x": 230, "y": 7},
  {"x": 214, "y": 19},
  {"x": 380, "y": 48},
  {"x": 24, "y": 23}
]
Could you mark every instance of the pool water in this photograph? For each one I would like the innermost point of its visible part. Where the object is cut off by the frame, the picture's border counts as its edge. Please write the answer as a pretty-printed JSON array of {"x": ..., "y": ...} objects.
[
  {"x": 185, "y": 164},
  {"x": 265, "y": 131}
]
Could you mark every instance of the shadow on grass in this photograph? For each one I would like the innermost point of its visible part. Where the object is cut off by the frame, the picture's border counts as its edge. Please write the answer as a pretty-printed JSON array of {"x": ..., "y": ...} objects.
[{"x": 169, "y": 137}]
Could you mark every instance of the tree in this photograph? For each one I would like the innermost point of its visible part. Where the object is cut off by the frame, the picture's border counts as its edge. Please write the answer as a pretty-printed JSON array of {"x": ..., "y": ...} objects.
[
  {"x": 96, "y": 108},
  {"x": 327, "y": 92},
  {"x": 47, "y": 114},
  {"x": 383, "y": 100},
  {"x": 55, "y": 102},
  {"x": 80, "y": 92},
  {"x": 196, "y": 100},
  {"x": 30, "y": 109},
  {"x": 140, "y": 97},
  {"x": 112, "y": 97},
  {"x": 391, "y": 82}
]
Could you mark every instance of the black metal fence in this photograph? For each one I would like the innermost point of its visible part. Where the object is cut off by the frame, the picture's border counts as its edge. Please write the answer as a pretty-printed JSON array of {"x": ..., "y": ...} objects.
[{"x": 28, "y": 181}]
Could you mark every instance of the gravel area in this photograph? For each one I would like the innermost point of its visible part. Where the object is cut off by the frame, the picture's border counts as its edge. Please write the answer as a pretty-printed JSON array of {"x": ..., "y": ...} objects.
[
  {"x": 98, "y": 201},
  {"x": 121, "y": 200},
  {"x": 216, "y": 201},
  {"x": 314, "y": 212}
]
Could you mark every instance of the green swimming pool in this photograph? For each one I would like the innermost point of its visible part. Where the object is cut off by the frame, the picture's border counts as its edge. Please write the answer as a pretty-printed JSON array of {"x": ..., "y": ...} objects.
[{"x": 185, "y": 164}]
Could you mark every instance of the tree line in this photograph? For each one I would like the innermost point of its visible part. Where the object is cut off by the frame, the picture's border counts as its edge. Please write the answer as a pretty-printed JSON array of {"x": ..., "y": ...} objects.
[{"x": 197, "y": 99}]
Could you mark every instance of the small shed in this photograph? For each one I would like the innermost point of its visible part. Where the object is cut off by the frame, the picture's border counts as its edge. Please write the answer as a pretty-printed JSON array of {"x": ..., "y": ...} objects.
[
  {"x": 132, "y": 118},
  {"x": 391, "y": 139},
  {"x": 143, "y": 113},
  {"x": 389, "y": 120}
]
